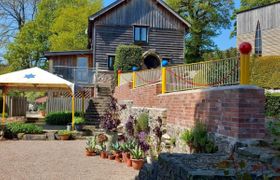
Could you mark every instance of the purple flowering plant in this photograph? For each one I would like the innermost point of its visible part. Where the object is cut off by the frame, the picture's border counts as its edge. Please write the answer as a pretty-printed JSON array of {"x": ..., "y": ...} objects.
[
  {"x": 129, "y": 126},
  {"x": 110, "y": 120},
  {"x": 142, "y": 141}
]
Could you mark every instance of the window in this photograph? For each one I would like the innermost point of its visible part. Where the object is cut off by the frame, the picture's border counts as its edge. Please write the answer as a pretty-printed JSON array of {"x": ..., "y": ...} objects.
[
  {"x": 111, "y": 62},
  {"x": 140, "y": 34},
  {"x": 81, "y": 71},
  {"x": 258, "y": 40}
]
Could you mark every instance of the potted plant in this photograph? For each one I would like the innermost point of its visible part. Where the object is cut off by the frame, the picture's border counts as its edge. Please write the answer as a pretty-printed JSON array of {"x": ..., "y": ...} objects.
[
  {"x": 111, "y": 156},
  {"x": 137, "y": 158},
  {"x": 117, "y": 151},
  {"x": 110, "y": 122},
  {"x": 91, "y": 146},
  {"x": 101, "y": 139},
  {"x": 131, "y": 144},
  {"x": 79, "y": 122},
  {"x": 126, "y": 147},
  {"x": 103, "y": 153},
  {"x": 42, "y": 109},
  {"x": 125, "y": 151},
  {"x": 64, "y": 134}
]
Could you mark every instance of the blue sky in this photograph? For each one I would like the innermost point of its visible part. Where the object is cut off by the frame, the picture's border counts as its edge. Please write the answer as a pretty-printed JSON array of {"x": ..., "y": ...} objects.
[{"x": 223, "y": 41}]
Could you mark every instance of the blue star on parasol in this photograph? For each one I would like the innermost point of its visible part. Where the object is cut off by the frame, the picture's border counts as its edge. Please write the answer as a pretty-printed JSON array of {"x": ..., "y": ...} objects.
[{"x": 29, "y": 76}]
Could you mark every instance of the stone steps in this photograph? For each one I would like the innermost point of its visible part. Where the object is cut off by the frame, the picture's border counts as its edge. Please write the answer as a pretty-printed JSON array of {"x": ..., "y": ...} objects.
[{"x": 99, "y": 106}]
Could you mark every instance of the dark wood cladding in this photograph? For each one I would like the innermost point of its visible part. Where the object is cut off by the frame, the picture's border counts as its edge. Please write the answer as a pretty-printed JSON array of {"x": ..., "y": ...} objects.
[
  {"x": 70, "y": 60},
  {"x": 143, "y": 12},
  {"x": 166, "y": 42}
]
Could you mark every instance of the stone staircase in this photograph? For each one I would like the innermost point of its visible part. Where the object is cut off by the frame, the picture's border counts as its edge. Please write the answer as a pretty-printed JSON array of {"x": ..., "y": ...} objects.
[{"x": 98, "y": 106}]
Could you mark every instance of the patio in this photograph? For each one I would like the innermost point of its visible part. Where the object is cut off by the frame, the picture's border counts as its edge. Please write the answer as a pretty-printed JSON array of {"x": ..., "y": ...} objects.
[{"x": 56, "y": 160}]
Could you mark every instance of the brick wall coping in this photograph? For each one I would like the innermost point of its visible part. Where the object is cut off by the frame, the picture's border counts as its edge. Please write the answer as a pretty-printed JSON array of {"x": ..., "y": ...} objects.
[
  {"x": 147, "y": 108},
  {"x": 213, "y": 89}
]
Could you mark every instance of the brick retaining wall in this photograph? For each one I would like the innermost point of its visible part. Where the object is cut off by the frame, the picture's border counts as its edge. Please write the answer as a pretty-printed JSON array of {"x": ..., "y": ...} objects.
[{"x": 234, "y": 111}]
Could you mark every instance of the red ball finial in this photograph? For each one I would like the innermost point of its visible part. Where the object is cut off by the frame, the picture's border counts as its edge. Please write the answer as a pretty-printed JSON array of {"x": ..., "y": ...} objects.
[
  {"x": 245, "y": 48},
  {"x": 119, "y": 71}
]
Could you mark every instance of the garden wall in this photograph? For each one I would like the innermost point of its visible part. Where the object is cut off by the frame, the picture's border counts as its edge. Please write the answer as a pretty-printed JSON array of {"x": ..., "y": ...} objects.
[{"x": 232, "y": 111}]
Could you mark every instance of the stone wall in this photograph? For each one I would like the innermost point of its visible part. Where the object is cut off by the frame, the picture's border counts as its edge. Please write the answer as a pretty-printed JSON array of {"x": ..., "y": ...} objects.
[{"x": 233, "y": 111}]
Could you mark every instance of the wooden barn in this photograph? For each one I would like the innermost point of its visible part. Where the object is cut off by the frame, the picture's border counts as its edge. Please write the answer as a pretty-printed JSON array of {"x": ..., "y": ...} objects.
[{"x": 151, "y": 24}]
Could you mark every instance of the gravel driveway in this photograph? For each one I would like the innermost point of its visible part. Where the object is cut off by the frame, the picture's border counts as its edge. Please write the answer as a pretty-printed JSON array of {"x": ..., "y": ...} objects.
[{"x": 20, "y": 160}]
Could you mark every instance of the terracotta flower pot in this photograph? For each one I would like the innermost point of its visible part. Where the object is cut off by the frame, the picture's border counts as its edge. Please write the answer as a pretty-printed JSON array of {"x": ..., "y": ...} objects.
[
  {"x": 111, "y": 157},
  {"x": 125, "y": 156},
  {"x": 129, "y": 162},
  {"x": 43, "y": 113},
  {"x": 90, "y": 153},
  {"x": 64, "y": 137},
  {"x": 103, "y": 155},
  {"x": 118, "y": 157},
  {"x": 137, "y": 164},
  {"x": 118, "y": 154}
]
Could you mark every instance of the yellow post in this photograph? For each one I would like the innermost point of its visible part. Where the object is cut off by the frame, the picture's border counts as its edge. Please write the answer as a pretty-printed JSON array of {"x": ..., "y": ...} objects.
[
  {"x": 3, "y": 108},
  {"x": 133, "y": 80},
  {"x": 245, "y": 49},
  {"x": 73, "y": 111},
  {"x": 163, "y": 80},
  {"x": 119, "y": 77},
  {"x": 164, "y": 63}
]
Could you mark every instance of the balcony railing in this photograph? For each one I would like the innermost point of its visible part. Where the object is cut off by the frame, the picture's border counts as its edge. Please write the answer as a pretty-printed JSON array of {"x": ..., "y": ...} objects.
[{"x": 77, "y": 75}]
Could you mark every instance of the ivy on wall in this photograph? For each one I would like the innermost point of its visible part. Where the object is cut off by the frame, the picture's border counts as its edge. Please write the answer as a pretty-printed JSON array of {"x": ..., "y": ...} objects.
[{"x": 127, "y": 56}]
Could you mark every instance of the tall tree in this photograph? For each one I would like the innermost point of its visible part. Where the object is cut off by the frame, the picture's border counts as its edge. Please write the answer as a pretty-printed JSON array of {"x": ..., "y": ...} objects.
[
  {"x": 30, "y": 43},
  {"x": 70, "y": 25},
  {"x": 218, "y": 54},
  {"x": 13, "y": 16},
  {"x": 207, "y": 18},
  {"x": 35, "y": 37},
  {"x": 248, "y": 4}
]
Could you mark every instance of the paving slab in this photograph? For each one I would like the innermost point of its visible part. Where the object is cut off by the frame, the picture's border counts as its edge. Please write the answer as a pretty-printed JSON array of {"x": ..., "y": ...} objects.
[{"x": 57, "y": 160}]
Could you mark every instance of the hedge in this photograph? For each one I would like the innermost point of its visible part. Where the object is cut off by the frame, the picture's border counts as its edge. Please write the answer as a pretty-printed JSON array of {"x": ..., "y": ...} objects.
[
  {"x": 214, "y": 74},
  {"x": 127, "y": 56},
  {"x": 60, "y": 118},
  {"x": 264, "y": 72},
  {"x": 272, "y": 105},
  {"x": 17, "y": 127}
]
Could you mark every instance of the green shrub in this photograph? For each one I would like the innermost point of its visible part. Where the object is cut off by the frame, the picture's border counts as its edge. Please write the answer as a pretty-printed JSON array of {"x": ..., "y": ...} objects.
[
  {"x": 17, "y": 127},
  {"x": 264, "y": 72},
  {"x": 79, "y": 120},
  {"x": 187, "y": 137},
  {"x": 42, "y": 107},
  {"x": 142, "y": 123},
  {"x": 60, "y": 118},
  {"x": 215, "y": 73},
  {"x": 272, "y": 105},
  {"x": 274, "y": 129},
  {"x": 197, "y": 139},
  {"x": 64, "y": 132},
  {"x": 127, "y": 56},
  {"x": 6, "y": 115}
]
